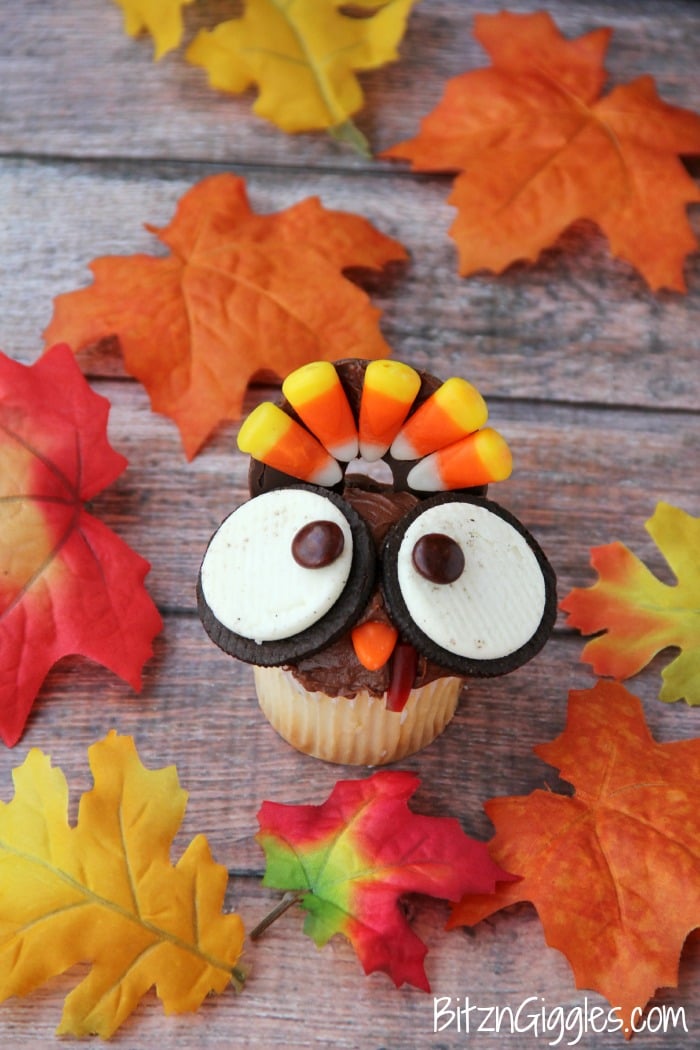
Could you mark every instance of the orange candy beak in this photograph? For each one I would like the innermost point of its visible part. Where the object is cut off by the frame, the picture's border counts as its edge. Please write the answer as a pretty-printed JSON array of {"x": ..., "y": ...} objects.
[{"x": 374, "y": 643}]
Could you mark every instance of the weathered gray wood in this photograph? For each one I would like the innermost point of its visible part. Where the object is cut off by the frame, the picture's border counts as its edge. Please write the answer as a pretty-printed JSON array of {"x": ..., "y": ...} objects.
[
  {"x": 573, "y": 327},
  {"x": 344, "y": 1009},
  {"x": 593, "y": 379},
  {"x": 74, "y": 85},
  {"x": 198, "y": 709}
]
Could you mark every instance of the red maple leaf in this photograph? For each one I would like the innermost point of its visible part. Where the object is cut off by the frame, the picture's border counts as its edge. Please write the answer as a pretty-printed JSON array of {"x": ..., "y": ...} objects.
[
  {"x": 614, "y": 871},
  {"x": 68, "y": 585},
  {"x": 537, "y": 148},
  {"x": 352, "y": 858},
  {"x": 239, "y": 296}
]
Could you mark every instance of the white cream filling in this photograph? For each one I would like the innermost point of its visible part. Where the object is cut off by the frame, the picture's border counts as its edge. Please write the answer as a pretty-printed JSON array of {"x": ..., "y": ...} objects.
[
  {"x": 497, "y": 603},
  {"x": 250, "y": 579}
]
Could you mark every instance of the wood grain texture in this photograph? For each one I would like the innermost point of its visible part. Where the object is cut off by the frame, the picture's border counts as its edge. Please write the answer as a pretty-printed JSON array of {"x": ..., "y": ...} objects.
[
  {"x": 593, "y": 379},
  {"x": 572, "y": 327}
]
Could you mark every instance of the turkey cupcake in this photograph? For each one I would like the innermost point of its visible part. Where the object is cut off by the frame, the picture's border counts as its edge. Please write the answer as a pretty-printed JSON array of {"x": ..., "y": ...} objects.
[{"x": 368, "y": 576}]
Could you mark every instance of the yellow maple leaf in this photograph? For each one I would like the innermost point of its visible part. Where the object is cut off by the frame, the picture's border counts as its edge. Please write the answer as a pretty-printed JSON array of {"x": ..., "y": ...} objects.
[
  {"x": 105, "y": 892},
  {"x": 161, "y": 18},
  {"x": 302, "y": 54}
]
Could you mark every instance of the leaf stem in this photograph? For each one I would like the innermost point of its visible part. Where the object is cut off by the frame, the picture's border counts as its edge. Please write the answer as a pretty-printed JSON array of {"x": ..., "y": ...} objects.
[
  {"x": 349, "y": 134},
  {"x": 284, "y": 905}
]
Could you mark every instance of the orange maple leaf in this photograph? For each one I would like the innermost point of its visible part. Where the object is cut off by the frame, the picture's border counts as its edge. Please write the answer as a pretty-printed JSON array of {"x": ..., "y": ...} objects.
[
  {"x": 240, "y": 295},
  {"x": 538, "y": 149},
  {"x": 614, "y": 871}
]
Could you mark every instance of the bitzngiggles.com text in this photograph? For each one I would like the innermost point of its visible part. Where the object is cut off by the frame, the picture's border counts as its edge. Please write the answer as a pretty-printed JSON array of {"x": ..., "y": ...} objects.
[{"x": 557, "y": 1025}]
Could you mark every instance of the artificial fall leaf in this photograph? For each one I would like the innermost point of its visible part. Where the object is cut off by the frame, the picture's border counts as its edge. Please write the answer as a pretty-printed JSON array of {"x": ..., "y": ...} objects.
[
  {"x": 614, "y": 871},
  {"x": 638, "y": 613},
  {"x": 161, "y": 18},
  {"x": 352, "y": 858},
  {"x": 537, "y": 148},
  {"x": 105, "y": 892},
  {"x": 68, "y": 584},
  {"x": 302, "y": 55},
  {"x": 240, "y": 295}
]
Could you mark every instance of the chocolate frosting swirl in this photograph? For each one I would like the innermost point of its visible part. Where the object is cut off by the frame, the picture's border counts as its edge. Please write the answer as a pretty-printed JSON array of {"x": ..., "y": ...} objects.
[{"x": 336, "y": 670}]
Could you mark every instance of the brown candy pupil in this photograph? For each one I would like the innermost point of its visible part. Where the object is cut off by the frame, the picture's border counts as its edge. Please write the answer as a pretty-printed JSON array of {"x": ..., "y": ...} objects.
[
  {"x": 318, "y": 544},
  {"x": 438, "y": 558}
]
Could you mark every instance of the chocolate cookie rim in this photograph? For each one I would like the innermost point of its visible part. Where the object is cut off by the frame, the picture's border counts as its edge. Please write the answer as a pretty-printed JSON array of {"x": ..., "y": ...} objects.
[
  {"x": 467, "y": 667},
  {"x": 324, "y": 631}
]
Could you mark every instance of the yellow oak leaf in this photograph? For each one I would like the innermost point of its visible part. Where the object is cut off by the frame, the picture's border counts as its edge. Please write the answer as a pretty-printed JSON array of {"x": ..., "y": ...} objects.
[
  {"x": 105, "y": 892},
  {"x": 302, "y": 55},
  {"x": 161, "y": 18}
]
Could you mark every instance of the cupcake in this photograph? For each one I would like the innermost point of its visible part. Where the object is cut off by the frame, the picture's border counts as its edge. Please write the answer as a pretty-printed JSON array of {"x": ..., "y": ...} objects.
[{"x": 368, "y": 576}]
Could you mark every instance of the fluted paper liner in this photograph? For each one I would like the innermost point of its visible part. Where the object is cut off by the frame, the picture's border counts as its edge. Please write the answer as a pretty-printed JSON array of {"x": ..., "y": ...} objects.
[{"x": 358, "y": 731}]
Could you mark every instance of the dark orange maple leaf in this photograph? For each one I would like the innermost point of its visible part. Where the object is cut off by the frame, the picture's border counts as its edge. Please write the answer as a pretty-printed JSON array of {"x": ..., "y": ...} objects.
[
  {"x": 68, "y": 584},
  {"x": 614, "y": 871},
  {"x": 240, "y": 295},
  {"x": 537, "y": 149}
]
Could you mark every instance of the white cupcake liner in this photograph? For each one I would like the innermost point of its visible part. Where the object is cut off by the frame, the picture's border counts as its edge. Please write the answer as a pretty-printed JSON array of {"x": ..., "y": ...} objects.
[{"x": 358, "y": 731}]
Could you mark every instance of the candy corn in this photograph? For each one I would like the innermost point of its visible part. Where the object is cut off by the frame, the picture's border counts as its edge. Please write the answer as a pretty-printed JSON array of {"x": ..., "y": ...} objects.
[
  {"x": 478, "y": 459},
  {"x": 273, "y": 437},
  {"x": 389, "y": 391},
  {"x": 317, "y": 396},
  {"x": 453, "y": 411}
]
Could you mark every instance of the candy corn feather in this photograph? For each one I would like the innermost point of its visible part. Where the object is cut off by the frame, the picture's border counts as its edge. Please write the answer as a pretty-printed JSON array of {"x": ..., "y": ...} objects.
[
  {"x": 389, "y": 390},
  {"x": 274, "y": 438},
  {"x": 453, "y": 411},
  {"x": 317, "y": 396},
  {"x": 478, "y": 459}
]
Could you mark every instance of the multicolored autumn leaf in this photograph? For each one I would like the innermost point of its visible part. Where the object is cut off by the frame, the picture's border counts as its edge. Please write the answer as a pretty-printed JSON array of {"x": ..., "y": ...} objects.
[
  {"x": 161, "y": 18},
  {"x": 105, "y": 892},
  {"x": 614, "y": 871},
  {"x": 352, "y": 858},
  {"x": 640, "y": 615},
  {"x": 302, "y": 55},
  {"x": 537, "y": 147},
  {"x": 240, "y": 295},
  {"x": 68, "y": 584}
]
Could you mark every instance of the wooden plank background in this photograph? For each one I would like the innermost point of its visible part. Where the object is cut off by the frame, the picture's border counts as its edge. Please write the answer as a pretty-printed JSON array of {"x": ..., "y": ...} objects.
[{"x": 593, "y": 378}]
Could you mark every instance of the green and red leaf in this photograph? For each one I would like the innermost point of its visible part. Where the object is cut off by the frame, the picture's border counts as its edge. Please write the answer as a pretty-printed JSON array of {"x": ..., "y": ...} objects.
[{"x": 352, "y": 858}]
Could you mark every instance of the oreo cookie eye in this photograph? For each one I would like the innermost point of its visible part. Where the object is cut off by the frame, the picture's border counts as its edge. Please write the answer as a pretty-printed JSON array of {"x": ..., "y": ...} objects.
[
  {"x": 467, "y": 585},
  {"x": 285, "y": 574}
]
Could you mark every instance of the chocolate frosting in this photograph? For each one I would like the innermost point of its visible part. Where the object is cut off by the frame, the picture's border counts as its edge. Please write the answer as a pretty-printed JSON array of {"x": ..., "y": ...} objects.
[{"x": 336, "y": 670}]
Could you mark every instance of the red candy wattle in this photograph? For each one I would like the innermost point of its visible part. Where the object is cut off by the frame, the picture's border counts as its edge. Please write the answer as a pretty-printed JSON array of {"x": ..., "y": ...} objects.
[{"x": 403, "y": 674}]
